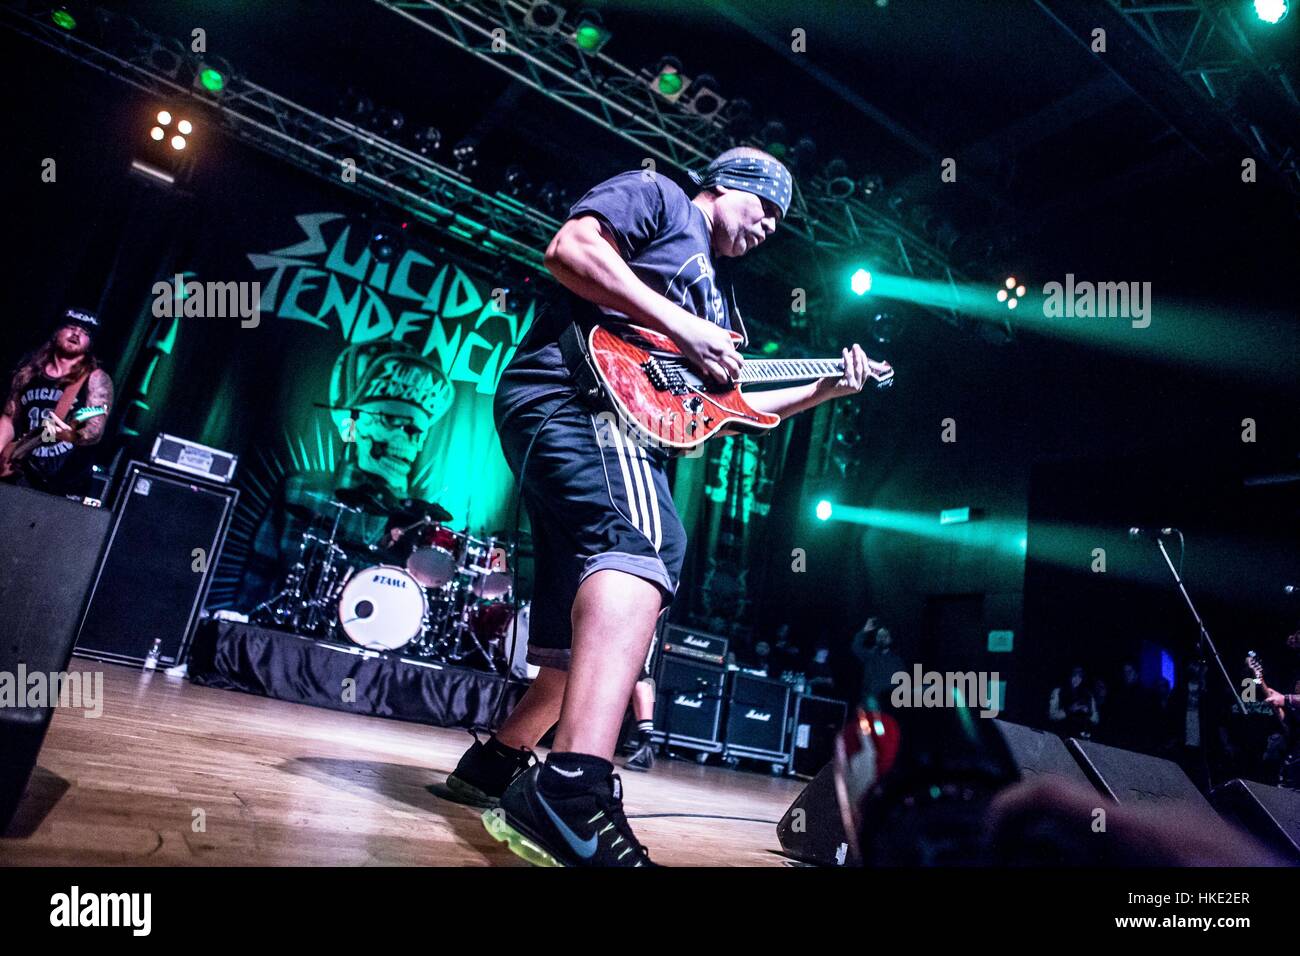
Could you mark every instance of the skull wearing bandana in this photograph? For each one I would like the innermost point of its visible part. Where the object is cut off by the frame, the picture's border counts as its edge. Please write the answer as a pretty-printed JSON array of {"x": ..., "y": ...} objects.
[{"x": 396, "y": 396}]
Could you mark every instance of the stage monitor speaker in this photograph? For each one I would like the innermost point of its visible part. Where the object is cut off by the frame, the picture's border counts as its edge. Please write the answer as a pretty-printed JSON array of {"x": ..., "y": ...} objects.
[
  {"x": 1271, "y": 814},
  {"x": 50, "y": 548},
  {"x": 1038, "y": 753},
  {"x": 688, "y": 705},
  {"x": 167, "y": 535},
  {"x": 758, "y": 714},
  {"x": 1133, "y": 778},
  {"x": 812, "y": 830}
]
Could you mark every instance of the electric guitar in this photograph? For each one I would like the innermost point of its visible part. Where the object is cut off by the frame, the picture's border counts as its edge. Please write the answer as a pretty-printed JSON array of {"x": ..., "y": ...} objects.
[
  {"x": 1257, "y": 668},
  {"x": 21, "y": 447},
  {"x": 660, "y": 395}
]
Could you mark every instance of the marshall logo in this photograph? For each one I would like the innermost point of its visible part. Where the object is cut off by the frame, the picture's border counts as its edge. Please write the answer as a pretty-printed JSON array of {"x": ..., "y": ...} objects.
[
  {"x": 683, "y": 701},
  {"x": 391, "y": 582},
  {"x": 758, "y": 715},
  {"x": 698, "y": 642}
]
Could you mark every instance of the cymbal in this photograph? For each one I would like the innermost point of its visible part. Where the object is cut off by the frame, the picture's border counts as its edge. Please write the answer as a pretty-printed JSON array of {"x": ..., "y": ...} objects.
[
  {"x": 368, "y": 498},
  {"x": 414, "y": 508}
]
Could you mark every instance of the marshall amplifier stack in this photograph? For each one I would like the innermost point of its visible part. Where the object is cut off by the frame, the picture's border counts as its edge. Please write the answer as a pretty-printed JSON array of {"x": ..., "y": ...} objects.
[
  {"x": 689, "y": 687},
  {"x": 758, "y": 718}
]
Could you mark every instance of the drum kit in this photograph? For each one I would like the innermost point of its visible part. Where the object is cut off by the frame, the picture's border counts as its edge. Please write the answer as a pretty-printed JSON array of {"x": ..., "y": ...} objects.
[{"x": 422, "y": 588}]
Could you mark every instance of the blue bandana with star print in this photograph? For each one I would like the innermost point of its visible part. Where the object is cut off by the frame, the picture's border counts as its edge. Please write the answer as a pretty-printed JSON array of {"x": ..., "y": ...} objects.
[{"x": 759, "y": 175}]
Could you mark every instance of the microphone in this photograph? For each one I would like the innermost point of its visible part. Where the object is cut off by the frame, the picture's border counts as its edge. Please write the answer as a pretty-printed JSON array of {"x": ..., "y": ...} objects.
[{"x": 1152, "y": 533}]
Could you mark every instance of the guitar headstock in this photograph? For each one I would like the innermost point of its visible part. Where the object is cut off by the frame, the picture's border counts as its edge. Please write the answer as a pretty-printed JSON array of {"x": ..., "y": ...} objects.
[
  {"x": 1255, "y": 665},
  {"x": 87, "y": 413},
  {"x": 882, "y": 373}
]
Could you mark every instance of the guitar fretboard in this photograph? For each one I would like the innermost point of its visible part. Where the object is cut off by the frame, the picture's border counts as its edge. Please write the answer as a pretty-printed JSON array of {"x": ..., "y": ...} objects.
[{"x": 778, "y": 370}]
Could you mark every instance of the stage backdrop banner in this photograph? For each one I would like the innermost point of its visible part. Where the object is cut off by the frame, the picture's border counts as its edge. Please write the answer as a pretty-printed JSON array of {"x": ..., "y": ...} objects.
[{"x": 347, "y": 362}]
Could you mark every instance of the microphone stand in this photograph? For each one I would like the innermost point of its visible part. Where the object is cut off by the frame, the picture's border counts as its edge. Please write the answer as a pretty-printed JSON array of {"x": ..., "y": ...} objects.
[{"x": 1205, "y": 645}]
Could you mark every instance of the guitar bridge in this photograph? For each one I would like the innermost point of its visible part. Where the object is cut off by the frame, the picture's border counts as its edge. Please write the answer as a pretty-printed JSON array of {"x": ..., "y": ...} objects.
[{"x": 664, "y": 379}]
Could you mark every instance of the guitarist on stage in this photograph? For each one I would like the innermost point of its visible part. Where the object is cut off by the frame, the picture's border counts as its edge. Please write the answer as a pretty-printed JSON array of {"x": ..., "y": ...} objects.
[
  {"x": 609, "y": 545},
  {"x": 58, "y": 379}
]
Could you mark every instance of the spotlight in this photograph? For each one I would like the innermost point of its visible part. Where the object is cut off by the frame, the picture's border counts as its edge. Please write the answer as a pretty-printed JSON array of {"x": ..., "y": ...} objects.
[
  {"x": 824, "y": 510},
  {"x": 804, "y": 152},
  {"x": 1011, "y": 293},
  {"x": 389, "y": 121},
  {"x": 516, "y": 180},
  {"x": 428, "y": 141},
  {"x": 590, "y": 35},
  {"x": 738, "y": 114},
  {"x": 543, "y": 15},
  {"x": 1271, "y": 11},
  {"x": 164, "y": 117},
  {"x": 839, "y": 184},
  {"x": 860, "y": 282},
  {"x": 212, "y": 80},
  {"x": 706, "y": 102},
  {"x": 157, "y": 134},
  {"x": 772, "y": 138},
  {"x": 871, "y": 185},
  {"x": 666, "y": 78},
  {"x": 184, "y": 127},
  {"x": 178, "y": 142},
  {"x": 384, "y": 241},
  {"x": 63, "y": 19},
  {"x": 466, "y": 154}
]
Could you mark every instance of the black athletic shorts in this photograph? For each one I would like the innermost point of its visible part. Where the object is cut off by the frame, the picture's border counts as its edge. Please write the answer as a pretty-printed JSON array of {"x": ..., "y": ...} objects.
[{"x": 596, "y": 500}]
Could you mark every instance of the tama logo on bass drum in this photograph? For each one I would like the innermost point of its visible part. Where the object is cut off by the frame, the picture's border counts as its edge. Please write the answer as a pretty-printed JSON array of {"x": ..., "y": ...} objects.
[{"x": 391, "y": 582}]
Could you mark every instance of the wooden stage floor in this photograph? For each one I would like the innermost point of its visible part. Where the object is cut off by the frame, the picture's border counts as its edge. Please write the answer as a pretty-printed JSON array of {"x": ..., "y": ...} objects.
[{"x": 276, "y": 783}]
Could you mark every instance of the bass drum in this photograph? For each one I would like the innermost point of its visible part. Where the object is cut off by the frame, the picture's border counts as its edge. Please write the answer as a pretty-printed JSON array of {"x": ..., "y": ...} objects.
[{"x": 382, "y": 608}]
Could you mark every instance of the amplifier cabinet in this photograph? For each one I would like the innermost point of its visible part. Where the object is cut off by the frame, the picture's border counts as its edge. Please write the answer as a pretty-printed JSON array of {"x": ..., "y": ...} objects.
[
  {"x": 758, "y": 716},
  {"x": 163, "y": 548},
  {"x": 688, "y": 704}
]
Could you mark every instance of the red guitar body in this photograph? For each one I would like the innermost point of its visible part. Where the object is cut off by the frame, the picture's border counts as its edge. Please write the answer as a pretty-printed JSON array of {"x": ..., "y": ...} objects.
[{"x": 657, "y": 393}]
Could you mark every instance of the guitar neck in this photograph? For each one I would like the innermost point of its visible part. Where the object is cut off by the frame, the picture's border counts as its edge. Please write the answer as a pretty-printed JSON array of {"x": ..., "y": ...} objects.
[{"x": 790, "y": 370}]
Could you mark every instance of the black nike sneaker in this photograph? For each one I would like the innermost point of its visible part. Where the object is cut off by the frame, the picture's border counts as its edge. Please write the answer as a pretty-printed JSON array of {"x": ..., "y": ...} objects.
[
  {"x": 586, "y": 829},
  {"x": 484, "y": 772},
  {"x": 643, "y": 759}
]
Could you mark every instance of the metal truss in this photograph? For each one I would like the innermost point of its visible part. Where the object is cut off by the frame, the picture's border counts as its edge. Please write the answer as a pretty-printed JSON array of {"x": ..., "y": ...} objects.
[
  {"x": 332, "y": 149},
  {"x": 618, "y": 98},
  {"x": 1205, "y": 44}
]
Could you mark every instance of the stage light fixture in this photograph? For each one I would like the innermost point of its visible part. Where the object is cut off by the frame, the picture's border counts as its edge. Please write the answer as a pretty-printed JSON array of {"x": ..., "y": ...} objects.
[
  {"x": 184, "y": 127},
  {"x": 63, "y": 19},
  {"x": 164, "y": 118},
  {"x": 860, "y": 282},
  {"x": 384, "y": 241},
  {"x": 824, "y": 510},
  {"x": 466, "y": 154},
  {"x": 871, "y": 185},
  {"x": 804, "y": 153},
  {"x": 771, "y": 348},
  {"x": 884, "y": 327},
  {"x": 772, "y": 138},
  {"x": 214, "y": 81},
  {"x": 428, "y": 141},
  {"x": 590, "y": 35},
  {"x": 705, "y": 100},
  {"x": 839, "y": 184},
  {"x": 178, "y": 142},
  {"x": 156, "y": 134},
  {"x": 543, "y": 15},
  {"x": 1271, "y": 11},
  {"x": 1011, "y": 293},
  {"x": 666, "y": 78}
]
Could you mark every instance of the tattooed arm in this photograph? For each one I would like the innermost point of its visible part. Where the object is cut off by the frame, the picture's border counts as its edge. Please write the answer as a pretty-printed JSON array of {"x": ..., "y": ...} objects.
[{"x": 99, "y": 391}]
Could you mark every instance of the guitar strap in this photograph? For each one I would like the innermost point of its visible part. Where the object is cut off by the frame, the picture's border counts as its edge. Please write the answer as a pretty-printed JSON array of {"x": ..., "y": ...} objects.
[
  {"x": 69, "y": 397},
  {"x": 573, "y": 348}
]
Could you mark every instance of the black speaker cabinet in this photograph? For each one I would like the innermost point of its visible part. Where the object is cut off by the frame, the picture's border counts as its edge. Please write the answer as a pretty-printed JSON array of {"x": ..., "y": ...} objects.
[
  {"x": 1272, "y": 814},
  {"x": 688, "y": 704},
  {"x": 817, "y": 722},
  {"x": 50, "y": 548},
  {"x": 1038, "y": 753},
  {"x": 758, "y": 716},
  {"x": 812, "y": 830},
  {"x": 167, "y": 535},
  {"x": 1128, "y": 777}
]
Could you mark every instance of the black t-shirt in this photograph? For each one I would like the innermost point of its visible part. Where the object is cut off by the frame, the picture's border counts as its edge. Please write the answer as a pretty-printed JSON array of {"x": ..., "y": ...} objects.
[
  {"x": 61, "y": 467},
  {"x": 664, "y": 237}
]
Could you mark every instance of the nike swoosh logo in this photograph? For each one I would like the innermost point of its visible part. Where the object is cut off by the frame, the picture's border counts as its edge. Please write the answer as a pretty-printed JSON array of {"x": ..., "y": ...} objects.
[{"x": 584, "y": 848}]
